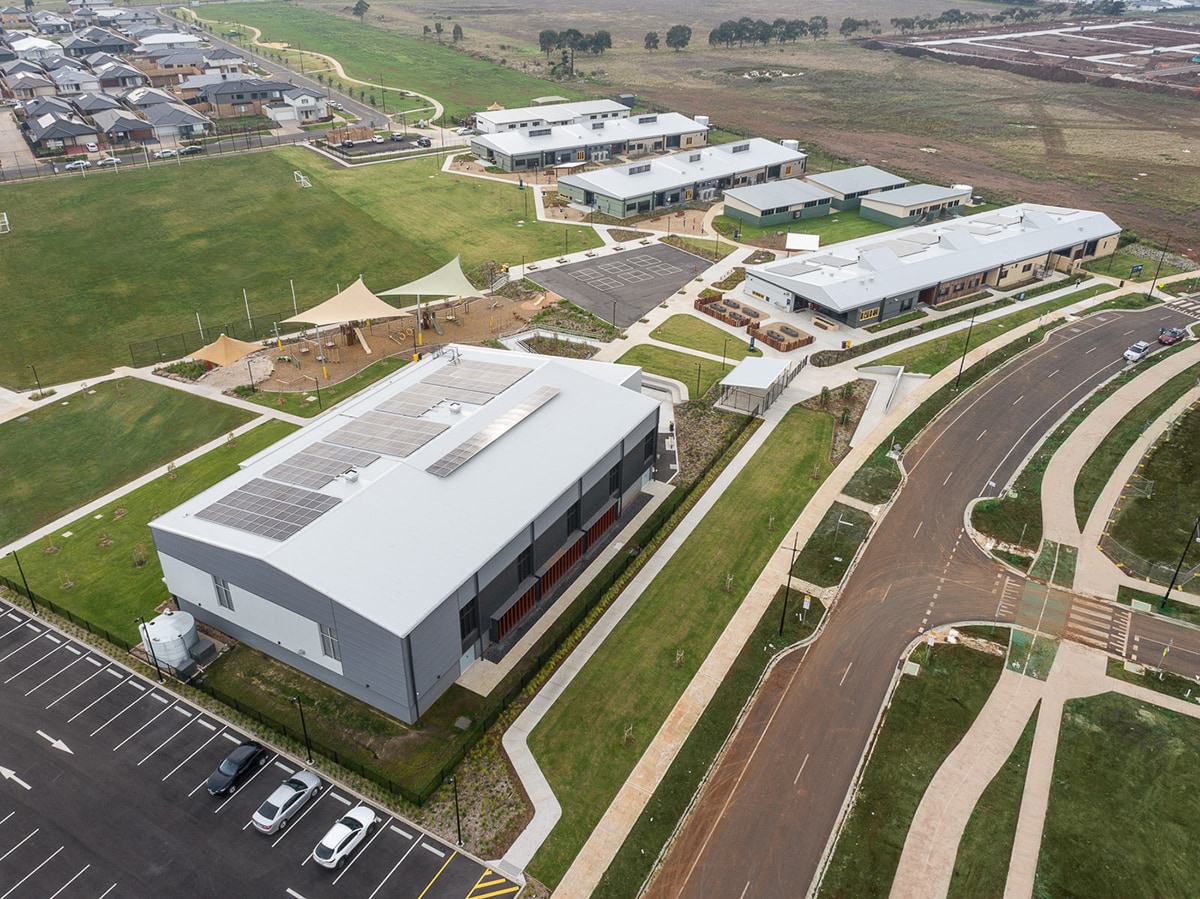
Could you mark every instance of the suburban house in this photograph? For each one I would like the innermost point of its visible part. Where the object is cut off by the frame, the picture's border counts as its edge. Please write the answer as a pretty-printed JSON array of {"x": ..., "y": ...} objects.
[
  {"x": 31, "y": 109},
  {"x": 776, "y": 203},
  {"x": 174, "y": 120},
  {"x": 122, "y": 126},
  {"x": 241, "y": 97},
  {"x": 16, "y": 66},
  {"x": 59, "y": 131},
  {"x": 78, "y": 47},
  {"x": 299, "y": 106},
  {"x": 50, "y": 23},
  {"x": 145, "y": 97},
  {"x": 34, "y": 48},
  {"x": 25, "y": 85},
  {"x": 494, "y": 121},
  {"x": 169, "y": 40},
  {"x": 870, "y": 279},
  {"x": 107, "y": 41},
  {"x": 914, "y": 204},
  {"x": 69, "y": 81},
  {"x": 423, "y": 595},
  {"x": 849, "y": 186},
  {"x": 597, "y": 141},
  {"x": 701, "y": 174},
  {"x": 90, "y": 4},
  {"x": 94, "y": 101},
  {"x": 13, "y": 17},
  {"x": 117, "y": 77}
]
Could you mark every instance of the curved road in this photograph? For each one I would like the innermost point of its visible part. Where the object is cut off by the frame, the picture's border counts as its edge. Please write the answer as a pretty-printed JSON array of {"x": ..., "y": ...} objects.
[{"x": 765, "y": 817}]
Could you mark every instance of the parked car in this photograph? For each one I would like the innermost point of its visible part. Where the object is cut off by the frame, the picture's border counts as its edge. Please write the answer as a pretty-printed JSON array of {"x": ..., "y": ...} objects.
[
  {"x": 191, "y": 150},
  {"x": 397, "y": 136},
  {"x": 166, "y": 154},
  {"x": 351, "y": 829},
  {"x": 347, "y": 145},
  {"x": 77, "y": 165},
  {"x": 289, "y": 797},
  {"x": 465, "y": 131},
  {"x": 336, "y": 105},
  {"x": 424, "y": 142},
  {"x": 234, "y": 768},
  {"x": 91, "y": 148},
  {"x": 1172, "y": 335},
  {"x": 108, "y": 160},
  {"x": 1137, "y": 352},
  {"x": 378, "y": 139}
]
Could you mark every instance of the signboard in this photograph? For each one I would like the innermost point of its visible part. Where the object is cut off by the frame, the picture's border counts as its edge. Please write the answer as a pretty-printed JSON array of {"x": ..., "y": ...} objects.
[
  {"x": 1135, "y": 269},
  {"x": 807, "y": 603},
  {"x": 930, "y": 640}
]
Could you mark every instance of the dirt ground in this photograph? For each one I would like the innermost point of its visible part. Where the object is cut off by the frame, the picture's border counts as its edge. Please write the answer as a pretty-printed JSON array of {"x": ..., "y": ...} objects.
[{"x": 687, "y": 221}]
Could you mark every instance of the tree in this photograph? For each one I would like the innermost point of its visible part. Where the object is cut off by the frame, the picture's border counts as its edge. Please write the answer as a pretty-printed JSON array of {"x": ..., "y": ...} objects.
[
  {"x": 438, "y": 29},
  {"x": 28, "y": 5},
  {"x": 818, "y": 26},
  {"x": 745, "y": 30},
  {"x": 762, "y": 32},
  {"x": 652, "y": 40},
  {"x": 547, "y": 41},
  {"x": 714, "y": 37},
  {"x": 906, "y": 24},
  {"x": 600, "y": 41},
  {"x": 360, "y": 9},
  {"x": 727, "y": 32},
  {"x": 457, "y": 34},
  {"x": 849, "y": 26},
  {"x": 779, "y": 30},
  {"x": 571, "y": 40},
  {"x": 679, "y": 36},
  {"x": 426, "y": 30}
]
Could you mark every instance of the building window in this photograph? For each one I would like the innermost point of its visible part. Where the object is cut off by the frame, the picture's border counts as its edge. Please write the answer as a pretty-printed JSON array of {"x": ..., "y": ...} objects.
[
  {"x": 1028, "y": 266},
  {"x": 614, "y": 479},
  {"x": 573, "y": 516},
  {"x": 868, "y": 314},
  {"x": 649, "y": 445},
  {"x": 468, "y": 619},
  {"x": 224, "y": 599},
  {"x": 525, "y": 563},
  {"x": 329, "y": 642}
]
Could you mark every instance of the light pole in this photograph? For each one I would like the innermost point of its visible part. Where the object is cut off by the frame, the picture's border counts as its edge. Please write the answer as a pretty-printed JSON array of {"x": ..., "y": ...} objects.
[
  {"x": 1178, "y": 568},
  {"x": 457, "y": 817},
  {"x": 724, "y": 347},
  {"x": 144, "y": 630},
  {"x": 253, "y": 389},
  {"x": 787, "y": 591},
  {"x": 304, "y": 727},
  {"x": 37, "y": 381},
  {"x": 28, "y": 592},
  {"x": 966, "y": 346},
  {"x": 614, "y": 318},
  {"x": 697, "y": 380},
  {"x": 318, "y": 383},
  {"x": 1158, "y": 268}
]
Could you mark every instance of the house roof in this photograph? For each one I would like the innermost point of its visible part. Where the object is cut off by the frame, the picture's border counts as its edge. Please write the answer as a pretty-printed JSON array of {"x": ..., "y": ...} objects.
[
  {"x": 71, "y": 75},
  {"x": 56, "y": 126},
  {"x": 756, "y": 374},
  {"x": 789, "y": 192},
  {"x": 562, "y": 137},
  {"x": 94, "y": 101},
  {"x": 853, "y": 180},
  {"x": 552, "y": 112},
  {"x": 707, "y": 164},
  {"x": 856, "y": 273},
  {"x": 916, "y": 194},
  {"x": 226, "y": 87},
  {"x": 438, "y": 530},
  {"x": 147, "y": 96},
  {"x": 165, "y": 38},
  {"x": 173, "y": 114},
  {"x": 304, "y": 92},
  {"x": 23, "y": 44},
  {"x": 42, "y": 105},
  {"x": 28, "y": 80},
  {"x": 118, "y": 70},
  {"x": 118, "y": 120}
]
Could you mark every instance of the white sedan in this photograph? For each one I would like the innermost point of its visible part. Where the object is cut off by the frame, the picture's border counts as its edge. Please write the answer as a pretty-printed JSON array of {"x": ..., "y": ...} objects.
[
  {"x": 289, "y": 797},
  {"x": 1137, "y": 352},
  {"x": 343, "y": 838}
]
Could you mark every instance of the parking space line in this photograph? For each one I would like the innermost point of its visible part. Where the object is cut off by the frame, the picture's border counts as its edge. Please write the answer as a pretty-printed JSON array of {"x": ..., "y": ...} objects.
[
  {"x": 71, "y": 649},
  {"x": 501, "y": 892},
  {"x": 119, "y": 714},
  {"x": 22, "y": 646},
  {"x": 204, "y": 723},
  {"x": 340, "y": 798},
  {"x": 18, "y": 846},
  {"x": 282, "y": 767},
  {"x": 52, "y": 638},
  {"x": 22, "y": 621},
  {"x": 94, "y": 661},
  {"x": 138, "y": 685},
  {"x": 32, "y": 664},
  {"x": 14, "y": 616},
  {"x": 360, "y": 852},
  {"x": 232, "y": 739},
  {"x": 393, "y": 871},
  {"x": 429, "y": 885},
  {"x": 261, "y": 769},
  {"x": 166, "y": 741},
  {"x": 294, "y": 894},
  {"x": 181, "y": 710},
  {"x": 94, "y": 701},
  {"x": 6, "y": 817},
  {"x": 13, "y": 888},
  {"x": 106, "y": 892},
  {"x": 435, "y": 850},
  {"x": 403, "y": 833},
  {"x": 144, "y": 726},
  {"x": 311, "y": 806},
  {"x": 194, "y": 751},
  {"x": 69, "y": 882}
]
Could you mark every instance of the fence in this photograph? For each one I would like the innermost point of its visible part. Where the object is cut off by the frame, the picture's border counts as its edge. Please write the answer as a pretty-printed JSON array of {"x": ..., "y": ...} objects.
[
  {"x": 176, "y": 346},
  {"x": 40, "y": 602}
]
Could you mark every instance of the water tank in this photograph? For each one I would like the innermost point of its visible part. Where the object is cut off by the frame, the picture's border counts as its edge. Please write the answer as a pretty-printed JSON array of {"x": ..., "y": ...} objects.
[
  {"x": 171, "y": 636},
  {"x": 791, "y": 144},
  {"x": 702, "y": 120}
]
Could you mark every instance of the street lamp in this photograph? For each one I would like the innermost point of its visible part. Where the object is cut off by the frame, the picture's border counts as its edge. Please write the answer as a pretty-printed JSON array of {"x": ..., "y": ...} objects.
[
  {"x": 318, "y": 383},
  {"x": 1178, "y": 568},
  {"x": 1158, "y": 268},
  {"x": 966, "y": 346},
  {"x": 724, "y": 347},
  {"x": 28, "y": 592},
  {"x": 788, "y": 589},
  {"x": 304, "y": 727},
  {"x": 37, "y": 381},
  {"x": 144, "y": 630},
  {"x": 697, "y": 380},
  {"x": 457, "y": 817}
]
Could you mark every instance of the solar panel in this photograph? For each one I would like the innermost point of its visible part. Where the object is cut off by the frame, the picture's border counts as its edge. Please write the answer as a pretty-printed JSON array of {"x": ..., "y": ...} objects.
[
  {"x": 491, "y": 432},
  {"x": 317, "y": 465},
  {"x": 391, "y": 435},
  {"x": 415, "y": 401},
  {"x": 490, "y": 378},
  {"x": 274, "y": 511}
]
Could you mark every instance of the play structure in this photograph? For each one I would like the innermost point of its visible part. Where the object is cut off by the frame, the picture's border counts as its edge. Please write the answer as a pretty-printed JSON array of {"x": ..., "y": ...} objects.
[
  {"x": 300, "y": 178},
  {"x": 4, "y": 229}
]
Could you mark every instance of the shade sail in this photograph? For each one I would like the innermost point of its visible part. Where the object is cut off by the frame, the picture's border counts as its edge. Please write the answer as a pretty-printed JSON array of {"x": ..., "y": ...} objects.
[
  {"x": 447, "y": 281},
  {"x": 354, "y": 304},
  {"x": 225, "y": 351}
]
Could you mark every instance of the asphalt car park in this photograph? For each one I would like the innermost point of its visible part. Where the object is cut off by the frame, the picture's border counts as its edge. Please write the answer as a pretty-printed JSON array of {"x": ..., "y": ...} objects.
[
  {"x": 103, "y": 793},
  {"x": 631, "y": 282}
]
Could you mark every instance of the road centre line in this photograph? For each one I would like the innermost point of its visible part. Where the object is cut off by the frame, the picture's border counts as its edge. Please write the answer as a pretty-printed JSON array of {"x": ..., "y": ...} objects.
[
  {"x": 31, "y": 664},
  {"x": 359, "y": 853},
  {"x": 190, "y": 757},
  {"x": 48, "y": 859},
  {"x": 394, "y": 867},
  {"x": 101, "y": 696},
  {"x": 144, "y": 726},
  {"x": 801, "y": 771},
  {"x": 844, "y": 673},
  {"x": 80, "y": 684}
]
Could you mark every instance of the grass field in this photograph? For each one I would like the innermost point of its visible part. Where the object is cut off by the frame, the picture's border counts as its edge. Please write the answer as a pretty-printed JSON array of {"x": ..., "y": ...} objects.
[
  {"x": 462, "y": 83},
  {"x": 697, "y": 373},
  {"x": 109, "y": 589},
  {"x": 1120, "y": 265},
  {"x": 832, "y": 228},
  {"x": 934, "y": 355},
  {"x": 298, "y": 402},
  {"x": 981, "y": 866},
  {"x": 61, "y": 456},
  {"x": 1099, "y": 467},
  {"x": 928, "y": 716},
  {"x": 188, "y": 247},
  {"x": 696, "y": 334},
  {"x": 633, "y": 680},
  {"x": 827, "y": 554},
  {"x": 1122, "y": 815}
]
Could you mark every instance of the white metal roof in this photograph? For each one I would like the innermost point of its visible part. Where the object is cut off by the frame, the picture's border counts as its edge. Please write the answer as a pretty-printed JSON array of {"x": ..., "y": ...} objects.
[
  {"x": 755, "y": 373},
  {"x": 683, "y": 169},
  {"x": 859, "y": 272},
  {"x": 789, "y": 192},
  {"x": 565, "y": 137},
  {"x": 917, "y": 194},
  {"x": 853, "y": 180},
  {"x": 551, "y": 112},
  {"x": 402, "y": 539}
]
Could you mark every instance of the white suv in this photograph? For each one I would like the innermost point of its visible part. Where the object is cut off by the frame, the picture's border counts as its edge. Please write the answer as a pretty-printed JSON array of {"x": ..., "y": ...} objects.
[
  {"x": 351, "y": 829},
  {"x": 1137, "y": 352}
]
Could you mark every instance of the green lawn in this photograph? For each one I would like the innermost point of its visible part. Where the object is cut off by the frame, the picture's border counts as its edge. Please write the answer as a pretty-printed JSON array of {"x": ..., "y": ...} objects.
[
  {"x": 67, "y": 453},
  {"x": 981, "y": 866},
  {"x": 197, "y": 250},
  {"x": 713, "y": 249},
  {"x": 1099, "y": 467},
  {"x": 461, "y": 82},
  {"x": 109, "y": 589},
  {"x": 934, "y": 355},
  {"x": 915, "y": 315},
  {"x": 827, "y": 554},
  {"x": 694, "y": 333},
  {"x": 1120, "y": 263},
  {"x": 832, "y": 228},
  {"x": 298, "y": 402},
  {"x": 697, "y": 373},
  {"x": 633, "y": 679},
  {"x": 928, "y": 716},
  {"x": 1122, "y": 819}
]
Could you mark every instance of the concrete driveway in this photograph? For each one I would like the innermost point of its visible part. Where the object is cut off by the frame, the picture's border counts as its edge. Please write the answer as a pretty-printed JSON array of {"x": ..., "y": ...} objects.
[{"x": 15, "y": 154}]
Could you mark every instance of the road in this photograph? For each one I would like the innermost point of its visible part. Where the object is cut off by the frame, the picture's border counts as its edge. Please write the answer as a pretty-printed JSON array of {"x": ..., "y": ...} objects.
[
  {"x": 102, "y": 776},
  {"x": 764, "y": 819}
]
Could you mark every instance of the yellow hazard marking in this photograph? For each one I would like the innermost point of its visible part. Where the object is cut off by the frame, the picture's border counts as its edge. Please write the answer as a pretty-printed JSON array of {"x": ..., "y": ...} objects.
[{"x": 438, "y": 874}]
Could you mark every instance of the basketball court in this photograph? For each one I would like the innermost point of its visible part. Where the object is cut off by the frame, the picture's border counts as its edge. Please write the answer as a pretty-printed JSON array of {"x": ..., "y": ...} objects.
[{"x": 636, "y": 281}]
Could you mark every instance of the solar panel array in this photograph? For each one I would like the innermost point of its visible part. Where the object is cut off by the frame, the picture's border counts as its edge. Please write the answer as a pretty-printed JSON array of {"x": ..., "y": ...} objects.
[
  {"x": 317, "y": 465},
  {"x": 271, "y": 510},
  {"x": 491, "y": 432},
  {"x": 391, "y": 435},
  {"x": 491, "y": 378}
]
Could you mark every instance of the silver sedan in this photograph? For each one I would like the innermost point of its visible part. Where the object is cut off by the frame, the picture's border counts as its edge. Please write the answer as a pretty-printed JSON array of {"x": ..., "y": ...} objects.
[{"x": 289, "y": 797}]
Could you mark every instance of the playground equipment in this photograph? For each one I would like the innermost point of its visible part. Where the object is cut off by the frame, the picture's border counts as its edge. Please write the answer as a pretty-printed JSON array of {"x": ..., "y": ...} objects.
[
  {"x": 4, "y": 227},
  {"x": 300, "y": 178}
]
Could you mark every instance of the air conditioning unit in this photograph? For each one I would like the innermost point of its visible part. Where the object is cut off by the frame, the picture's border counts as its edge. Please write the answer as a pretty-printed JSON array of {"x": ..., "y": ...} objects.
[{"x": 708, "y": 193}]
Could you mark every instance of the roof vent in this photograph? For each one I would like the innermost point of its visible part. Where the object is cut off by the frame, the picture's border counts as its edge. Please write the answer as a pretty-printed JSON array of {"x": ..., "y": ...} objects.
[
  {"x": 456, "y": 408},
  {"x": 351, "y": 476}
]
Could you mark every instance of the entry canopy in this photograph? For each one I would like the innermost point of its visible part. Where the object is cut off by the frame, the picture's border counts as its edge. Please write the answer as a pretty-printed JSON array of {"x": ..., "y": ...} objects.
[
  {"x": 225, "y": 351},
  {"x": 447, "y": 281},
  {"x": 354, "y": 304},
  {"x": 755, "y": 373}
]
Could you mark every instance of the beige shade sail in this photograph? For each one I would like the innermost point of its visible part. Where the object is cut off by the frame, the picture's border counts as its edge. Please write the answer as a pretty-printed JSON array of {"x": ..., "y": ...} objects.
[
  {"x": 354, "y": 304},
  {"x": 495, "y": 107},
  {"x": 225, "y": 351},
  {"x": 447, "y": 281}
]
